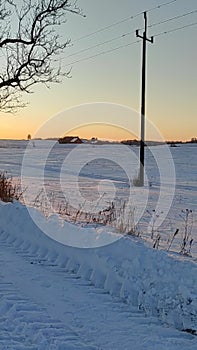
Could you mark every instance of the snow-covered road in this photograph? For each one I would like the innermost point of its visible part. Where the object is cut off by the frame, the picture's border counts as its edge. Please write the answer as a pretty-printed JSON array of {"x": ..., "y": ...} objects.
[{"x": 43, "y": 305}]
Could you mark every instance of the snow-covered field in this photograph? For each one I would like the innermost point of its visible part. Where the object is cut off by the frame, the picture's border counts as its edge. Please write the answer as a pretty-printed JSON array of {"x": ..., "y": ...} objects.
[
  {"x": 90, "y": 177},
  {"x": 118, "y": 295}
]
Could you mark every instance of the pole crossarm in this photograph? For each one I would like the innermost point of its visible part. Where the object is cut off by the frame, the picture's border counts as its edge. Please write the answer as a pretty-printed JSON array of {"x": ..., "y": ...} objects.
[
  {"x": 144, "y": 36},
  {"x": 151, "y": 40}
]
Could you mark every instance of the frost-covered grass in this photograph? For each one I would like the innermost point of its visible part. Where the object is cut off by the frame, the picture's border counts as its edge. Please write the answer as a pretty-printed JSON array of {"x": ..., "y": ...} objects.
[{"x": 122, "y": 218}]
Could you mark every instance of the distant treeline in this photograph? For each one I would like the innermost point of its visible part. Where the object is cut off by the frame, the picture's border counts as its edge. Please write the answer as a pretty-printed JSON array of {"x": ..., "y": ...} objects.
[
  {"x": 156, "y": 143},
  {"x": 193, "y": 140},
  {"x": 137, "y": 143},
  {"x": 134, "y": 142}
]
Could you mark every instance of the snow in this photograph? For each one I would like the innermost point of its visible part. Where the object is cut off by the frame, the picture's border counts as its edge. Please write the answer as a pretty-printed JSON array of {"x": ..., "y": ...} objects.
[
  {"x": 66, "y": 286},
  {"x": 74, "y": 140},
  {"x": 92, "y": 176},
  {"x": 54, "y": 296}
]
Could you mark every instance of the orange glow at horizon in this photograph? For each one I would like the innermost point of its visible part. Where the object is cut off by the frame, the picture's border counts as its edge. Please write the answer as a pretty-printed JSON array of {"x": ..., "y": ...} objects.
[
  {"x": 13, "y": 127},
  {"x": 106, "y": 132}
]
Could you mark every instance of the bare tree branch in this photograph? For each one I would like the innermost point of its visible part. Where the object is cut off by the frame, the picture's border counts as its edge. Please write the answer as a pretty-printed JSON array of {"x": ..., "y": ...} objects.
[{"x": 29, "y": 48}]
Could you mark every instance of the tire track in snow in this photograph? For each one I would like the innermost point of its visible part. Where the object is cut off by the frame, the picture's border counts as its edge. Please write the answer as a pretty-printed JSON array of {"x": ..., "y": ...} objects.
[
  {"x": 92, "y": 315},
  {"x": 25, "y": 325}
]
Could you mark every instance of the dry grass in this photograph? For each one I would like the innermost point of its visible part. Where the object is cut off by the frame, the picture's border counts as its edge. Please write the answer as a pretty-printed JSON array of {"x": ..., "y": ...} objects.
[
  {"x": 121, "y": 217},
  {"x": 8, "y": 190}
]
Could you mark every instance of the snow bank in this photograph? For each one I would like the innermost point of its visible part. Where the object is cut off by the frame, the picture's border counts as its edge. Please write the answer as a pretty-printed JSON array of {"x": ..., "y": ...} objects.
[{"x": 160, "y": 284}]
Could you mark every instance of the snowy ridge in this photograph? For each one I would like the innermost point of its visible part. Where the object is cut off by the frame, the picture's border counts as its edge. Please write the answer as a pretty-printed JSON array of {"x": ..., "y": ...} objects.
[{"x": 156, "y": 283}]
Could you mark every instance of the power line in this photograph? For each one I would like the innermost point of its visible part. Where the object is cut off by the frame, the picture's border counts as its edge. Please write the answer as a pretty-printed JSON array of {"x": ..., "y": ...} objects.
[
  {"x": 123, "y": 20},
  {"x": 128, "y": 33},
  {"x": 107, "y": 27},
  {"x": 176, "y": 29},
  {"x": 160, "y": 6},
  {"x": 129, "y": 44},
  {"x": 101, "y": 53},
  {"x": 172, "y": 18},
  {"x": 99, "y": 44}
]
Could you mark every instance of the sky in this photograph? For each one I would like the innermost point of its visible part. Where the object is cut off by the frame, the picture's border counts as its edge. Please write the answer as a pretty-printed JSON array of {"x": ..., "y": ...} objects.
[{"x": 114, "y": 78}]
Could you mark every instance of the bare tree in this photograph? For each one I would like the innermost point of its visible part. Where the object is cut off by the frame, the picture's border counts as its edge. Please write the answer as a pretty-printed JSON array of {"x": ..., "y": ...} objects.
[{"x": 29, "y": 43}]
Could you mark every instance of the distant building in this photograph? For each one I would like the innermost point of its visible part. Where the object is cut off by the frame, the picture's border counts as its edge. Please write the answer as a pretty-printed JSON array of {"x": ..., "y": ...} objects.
[
  {"x": 94, "y": 140},
  {"x": 70, "y": 139}
]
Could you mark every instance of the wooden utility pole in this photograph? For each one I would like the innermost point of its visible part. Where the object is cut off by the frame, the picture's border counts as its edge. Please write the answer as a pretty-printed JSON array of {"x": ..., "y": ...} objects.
[{"x": 143, "y": 98}]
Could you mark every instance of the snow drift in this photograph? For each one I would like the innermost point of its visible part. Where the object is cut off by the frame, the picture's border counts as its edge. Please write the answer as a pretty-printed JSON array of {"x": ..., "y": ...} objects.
[{"x": 161, "y": 284}]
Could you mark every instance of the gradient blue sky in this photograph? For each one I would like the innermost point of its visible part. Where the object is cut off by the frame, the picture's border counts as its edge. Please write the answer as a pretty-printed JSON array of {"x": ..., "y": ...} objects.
[{"x": 116, "y": 77}]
